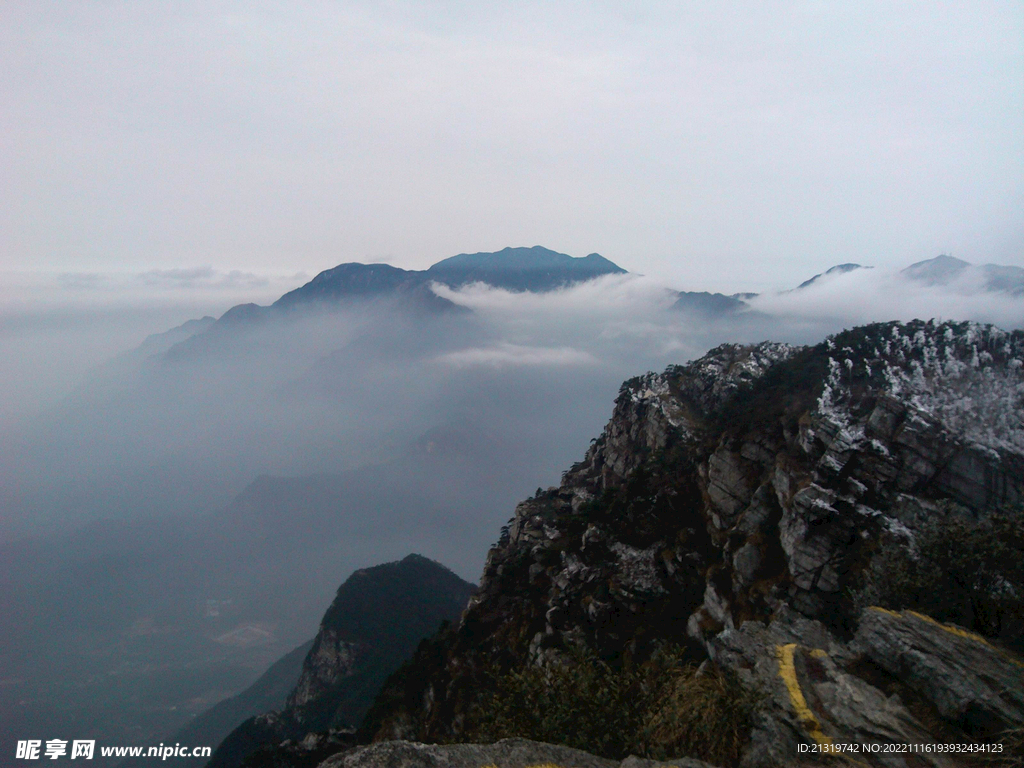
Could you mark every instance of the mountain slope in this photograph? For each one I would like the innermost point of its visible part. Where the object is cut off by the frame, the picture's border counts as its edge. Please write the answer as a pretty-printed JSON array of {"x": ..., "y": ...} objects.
[
  {"x": 518, "y": 269},
  {"x": 708, "y": 305},
  {"x": 735, "y": 501},
  {"x": 376, "y": 620},
  {"x": 838, "y": 269},
  {"x": 366, "y": 281},
  {"x": 268, "y": 693},
  {"x": 940, "y": 270}
]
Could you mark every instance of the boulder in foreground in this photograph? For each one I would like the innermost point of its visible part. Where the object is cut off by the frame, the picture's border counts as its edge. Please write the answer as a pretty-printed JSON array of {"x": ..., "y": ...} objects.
[{"x": 507, "y": 753}]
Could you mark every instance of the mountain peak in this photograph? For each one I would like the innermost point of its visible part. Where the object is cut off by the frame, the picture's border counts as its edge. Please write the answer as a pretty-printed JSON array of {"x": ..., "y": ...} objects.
[
  {"x": 942, "y": 259},
  {"x": 945, "y": 270},
  {"x": 598, "y": 259},
  {"x": 708, "y": 305},
  {"x": 521, "y": 269},
  {"x": 378, "y": 617},
  {"x": 740, "y": 499},
  {"x": 838, "y": 269},
  {"x": 356, "y": 607},
  {"x": 351, "y": 279},
  {"x": 938, "y": 271},
  {"x": 536, "y": 256}
]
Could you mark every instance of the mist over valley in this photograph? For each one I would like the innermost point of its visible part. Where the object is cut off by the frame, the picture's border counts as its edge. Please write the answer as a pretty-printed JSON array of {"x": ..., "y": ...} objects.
[{"x": 182, "y": 517}]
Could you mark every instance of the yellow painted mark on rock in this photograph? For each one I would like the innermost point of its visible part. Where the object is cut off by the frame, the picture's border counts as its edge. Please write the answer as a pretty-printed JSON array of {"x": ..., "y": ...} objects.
[
  {"x": 787, "y": 671},
  {"x": 959, "y": 632},
  {"x": 880, "y": 609},
  {"x": 818, "y": 653},
  {"x": 953, "y": 630}
]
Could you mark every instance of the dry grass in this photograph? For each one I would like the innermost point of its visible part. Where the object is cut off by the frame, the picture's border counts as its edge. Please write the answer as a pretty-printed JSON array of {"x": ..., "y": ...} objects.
[
  {"x": 1012, "y": 755},
  {"x": 706, "y": 716},
  {"x": 662, "y": 709}
]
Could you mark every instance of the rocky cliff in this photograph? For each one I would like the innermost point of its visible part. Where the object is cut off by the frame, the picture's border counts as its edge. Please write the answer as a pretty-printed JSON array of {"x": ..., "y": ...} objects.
[
  {"x": 374, "y": 622},
  {"x": 733, "y": 505}
]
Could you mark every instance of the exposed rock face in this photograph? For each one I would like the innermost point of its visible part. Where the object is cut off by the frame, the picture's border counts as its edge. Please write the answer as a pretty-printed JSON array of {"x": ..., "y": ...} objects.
[
  {"x": 729, "y": 503},
  {"x": 375, "y": 621},
  {"x": 967, "y": 680},
  {"x": 901, "y": 670},
  {"x": 507, "y": 753},
  {"x": 330, "y": 660}
]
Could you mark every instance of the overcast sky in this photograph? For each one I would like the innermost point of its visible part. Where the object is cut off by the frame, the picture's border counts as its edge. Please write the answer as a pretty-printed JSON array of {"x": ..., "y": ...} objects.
[{"x": 720, "y": 145}]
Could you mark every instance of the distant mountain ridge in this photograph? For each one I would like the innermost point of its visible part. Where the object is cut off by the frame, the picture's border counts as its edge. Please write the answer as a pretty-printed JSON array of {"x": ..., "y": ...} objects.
[
  {"x": 706, "y": 304},
  {"x": 940, "y": 271},
  {"x": 364, "y": 281},
  {"x": 945, "y": 270},
  {"x": 521, "y": 269},
  {"x": 518, "y": 269},
  {"x": 535, "y": 269}
]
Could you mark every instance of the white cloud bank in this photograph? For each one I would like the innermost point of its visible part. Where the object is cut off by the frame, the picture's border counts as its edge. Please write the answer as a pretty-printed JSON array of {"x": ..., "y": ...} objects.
[
  {"x": 501, "y": 355},
  {"x": 864, "y": 296}
]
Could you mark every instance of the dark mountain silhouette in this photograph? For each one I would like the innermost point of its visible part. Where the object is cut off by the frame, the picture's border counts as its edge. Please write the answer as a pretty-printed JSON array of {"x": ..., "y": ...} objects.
[
  {"x": 709, "y": 305},
  {"x": 518, "y": 269},
  {"x": 407, "y": 293},
  {"x": 377, "y": 619},
  {"x": 521, "y": 269},
  {"x": 356, "y": 281}
]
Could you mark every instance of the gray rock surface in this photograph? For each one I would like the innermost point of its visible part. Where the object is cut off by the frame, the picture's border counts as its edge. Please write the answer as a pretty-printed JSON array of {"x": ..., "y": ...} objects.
[
  {"x": 330, "y": 660},
  {"x": 507, "y": 753},
  {"x": 812, "y": 694},
  {"x": 818, "y": 690},
  {"x": 731, "y": 503},
  {"x": 969, "y": 681}
]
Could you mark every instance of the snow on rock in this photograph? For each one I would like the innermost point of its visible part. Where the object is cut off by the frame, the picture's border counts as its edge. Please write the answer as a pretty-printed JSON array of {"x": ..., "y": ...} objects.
[{"x": 968, "y": 376}]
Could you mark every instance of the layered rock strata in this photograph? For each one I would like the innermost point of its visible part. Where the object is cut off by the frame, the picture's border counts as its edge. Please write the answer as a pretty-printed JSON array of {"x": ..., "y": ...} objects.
[{"x": 730, "y": 504}]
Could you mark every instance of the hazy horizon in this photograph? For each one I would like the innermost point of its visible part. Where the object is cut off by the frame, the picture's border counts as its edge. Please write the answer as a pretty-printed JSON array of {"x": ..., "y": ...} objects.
[{"x": 712, "y": 147}]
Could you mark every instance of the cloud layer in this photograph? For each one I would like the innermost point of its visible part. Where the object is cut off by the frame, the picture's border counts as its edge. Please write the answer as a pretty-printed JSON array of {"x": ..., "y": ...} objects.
[{"x": 863, "y": 296}]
